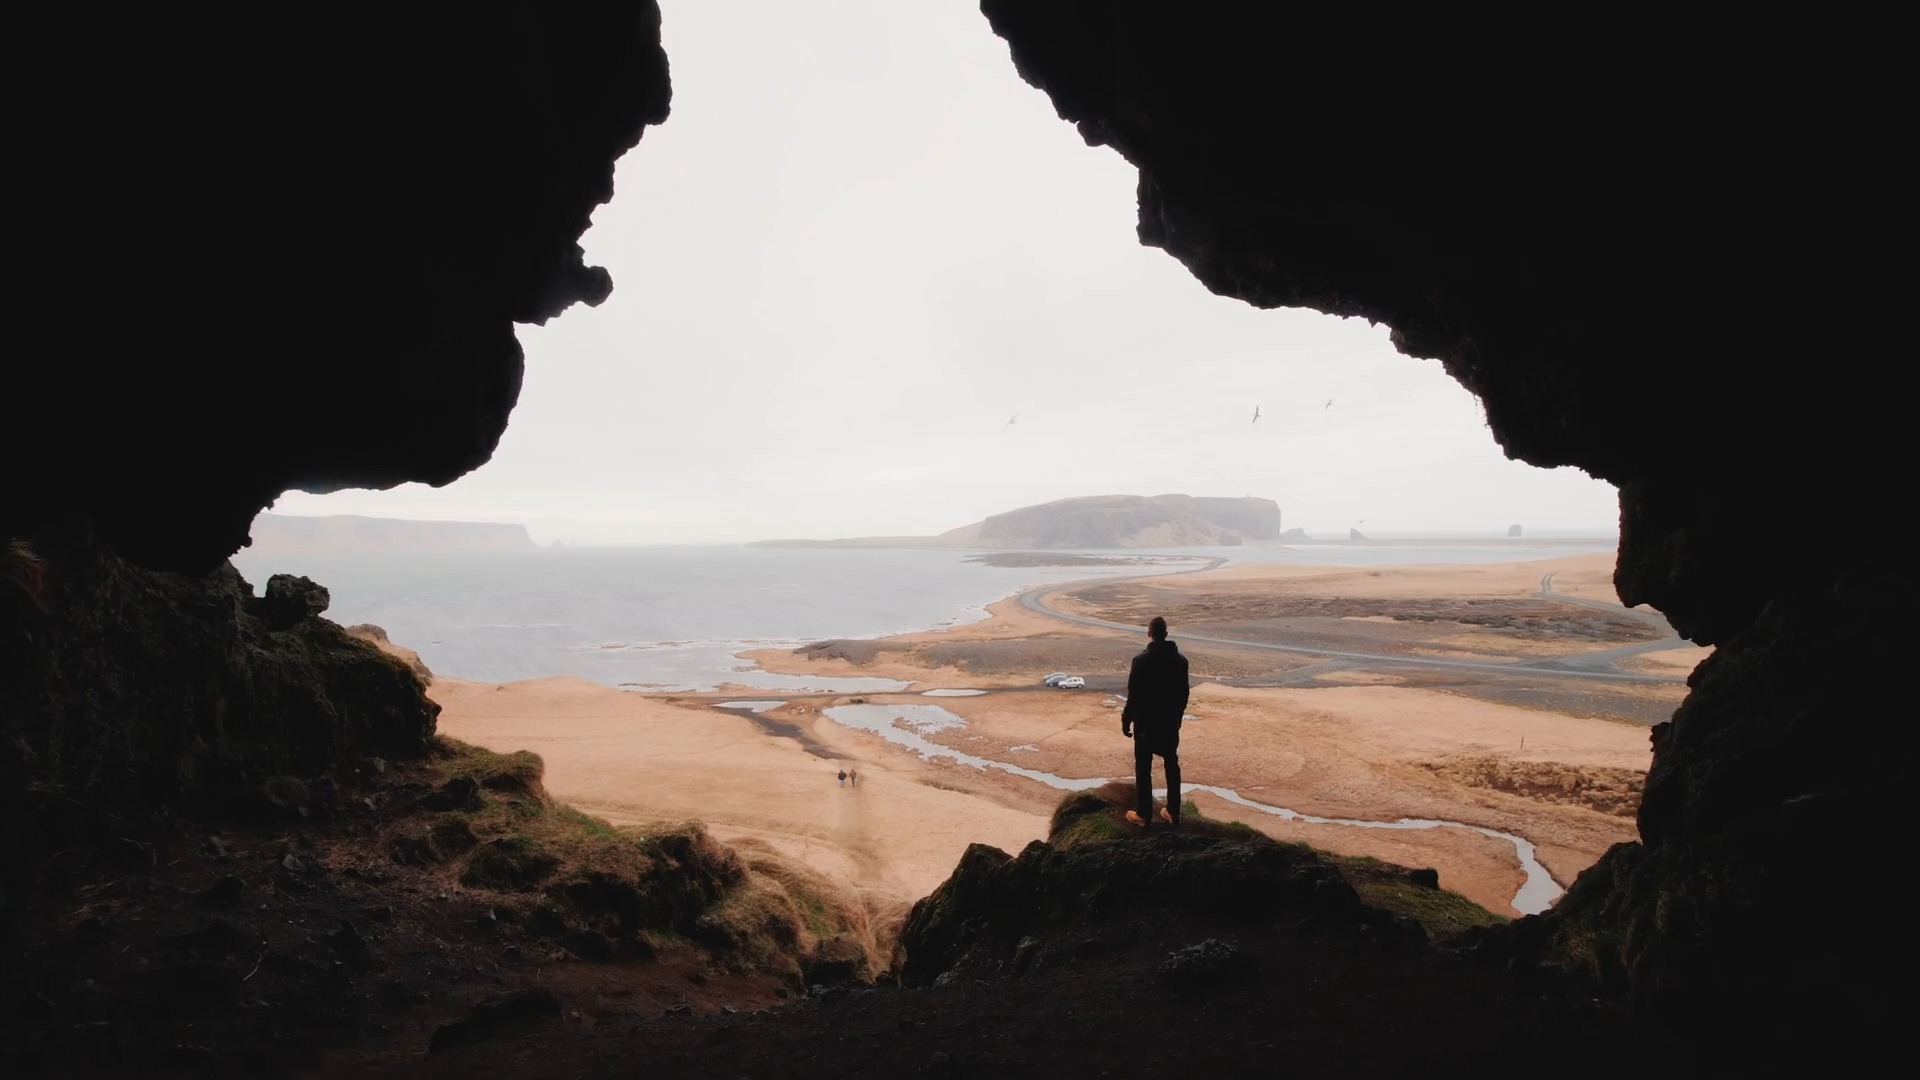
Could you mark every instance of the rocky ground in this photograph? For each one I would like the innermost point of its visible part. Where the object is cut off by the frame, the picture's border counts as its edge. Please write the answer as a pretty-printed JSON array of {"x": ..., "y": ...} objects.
[
  {"x": 1112, "y": 953},
  {"x": 413, "y": 907}
]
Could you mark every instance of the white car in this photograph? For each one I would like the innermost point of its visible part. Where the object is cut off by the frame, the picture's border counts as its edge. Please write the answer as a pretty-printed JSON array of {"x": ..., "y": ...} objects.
[{"x": 1072, "y": 682}]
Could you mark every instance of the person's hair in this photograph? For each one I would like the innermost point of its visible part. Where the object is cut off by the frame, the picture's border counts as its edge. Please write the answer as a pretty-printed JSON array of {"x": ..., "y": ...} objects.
[{"x": 1157, "y": 629}]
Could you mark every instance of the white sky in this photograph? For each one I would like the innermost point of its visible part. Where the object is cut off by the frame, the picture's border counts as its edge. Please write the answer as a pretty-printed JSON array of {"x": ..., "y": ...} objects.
[{"x": 857, "y": 248}]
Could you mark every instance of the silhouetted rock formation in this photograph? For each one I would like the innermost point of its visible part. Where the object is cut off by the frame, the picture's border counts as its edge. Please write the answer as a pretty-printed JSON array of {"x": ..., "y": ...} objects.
[
  {"x": 149, "y": 685},
  {"x": 334, "y": 227},
  {"x": 378, "y": 635},
  {"x": 975, "y": 922},
  {"x": 128, "y": 689},
  {"x": 1503, "y": 255},
  {"x": 1355, "y": 534},
  {"x": 1513, "y": 532}
]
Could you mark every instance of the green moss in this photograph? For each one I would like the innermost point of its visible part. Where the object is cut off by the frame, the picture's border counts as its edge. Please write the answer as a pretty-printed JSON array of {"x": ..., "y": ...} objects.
[
  {"x": 518, "y": 772},
  {"x": 586, "y": 823},
  {"x": 1089, "y": 829},
  {"x": 509, "y": 863},
  {"x": 286, "y": 792},
  {"x": 1386, "y": 886}
]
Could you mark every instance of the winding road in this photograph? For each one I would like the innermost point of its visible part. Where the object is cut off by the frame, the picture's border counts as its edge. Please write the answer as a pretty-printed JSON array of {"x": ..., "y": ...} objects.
[{"x": 1593, "y": 665}]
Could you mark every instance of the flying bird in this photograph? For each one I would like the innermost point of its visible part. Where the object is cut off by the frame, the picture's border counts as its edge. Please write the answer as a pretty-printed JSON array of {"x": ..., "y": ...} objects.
[
  {"x": 1256, "y": 414},
  {"x": 1010, "y": 421},
  {"x": 1329, "y": 405}
]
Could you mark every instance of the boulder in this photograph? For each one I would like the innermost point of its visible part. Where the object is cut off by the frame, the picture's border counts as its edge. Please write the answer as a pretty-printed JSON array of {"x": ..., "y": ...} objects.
[
  {"x": 993, "y": 901},
  {"x": 289, "y": 601}
]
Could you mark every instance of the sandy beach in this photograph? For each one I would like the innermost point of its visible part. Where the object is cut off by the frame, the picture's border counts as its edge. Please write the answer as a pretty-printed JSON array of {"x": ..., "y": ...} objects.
[
  {"x": 633, "y": 758},
  {"x": 1557, "y": 761}
]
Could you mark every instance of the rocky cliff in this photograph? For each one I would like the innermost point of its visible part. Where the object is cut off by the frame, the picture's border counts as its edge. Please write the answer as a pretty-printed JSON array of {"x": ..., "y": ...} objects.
[
  {"x": 283, "y": 534},
  {"x": 1253, "y": 519},
  {"x": 1120, "y": 521}
]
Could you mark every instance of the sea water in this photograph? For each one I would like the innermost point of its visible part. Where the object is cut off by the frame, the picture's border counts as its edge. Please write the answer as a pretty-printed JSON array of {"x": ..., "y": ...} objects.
[{"x": 676, "y": 617}]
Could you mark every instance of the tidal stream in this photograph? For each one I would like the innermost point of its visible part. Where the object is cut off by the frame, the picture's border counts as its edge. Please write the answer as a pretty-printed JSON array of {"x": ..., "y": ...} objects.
[{"x": 916, "y": 722}]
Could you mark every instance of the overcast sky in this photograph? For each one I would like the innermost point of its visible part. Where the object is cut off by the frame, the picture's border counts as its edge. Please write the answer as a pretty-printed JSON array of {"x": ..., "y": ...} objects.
[{"x": 859, "y": 246}]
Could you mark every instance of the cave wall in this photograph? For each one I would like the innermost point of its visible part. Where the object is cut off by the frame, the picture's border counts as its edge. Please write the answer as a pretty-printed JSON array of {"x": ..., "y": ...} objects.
[
  {"x": 286, "y": 250},
  {"x": 261, "y": 250},
  {"x": 1594, "y": 228},
  {"x": 135, "y": 686}
]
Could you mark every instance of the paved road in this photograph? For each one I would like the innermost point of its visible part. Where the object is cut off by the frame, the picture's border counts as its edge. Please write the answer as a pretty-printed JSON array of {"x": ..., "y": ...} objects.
[{"x": 1596, "y": 665}]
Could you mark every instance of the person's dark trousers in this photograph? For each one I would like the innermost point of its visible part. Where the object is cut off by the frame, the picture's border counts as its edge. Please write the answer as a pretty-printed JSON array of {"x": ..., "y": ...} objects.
[{"x": 1146, "y": 745}]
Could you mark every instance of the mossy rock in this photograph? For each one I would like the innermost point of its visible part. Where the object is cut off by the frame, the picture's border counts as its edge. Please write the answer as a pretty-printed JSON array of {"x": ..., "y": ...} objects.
[
  {"x": 413, "y": 851},
  {"x": 519, "y": 773},
  {"x": 452, "y": 836},
  {"x": 835, "y": 961},
  {"x": 509, "y": 863},
  {"x": 287, "y": 794},
  {"x": 459, "y": 793},
  {"x": 1415, "y": 894}
]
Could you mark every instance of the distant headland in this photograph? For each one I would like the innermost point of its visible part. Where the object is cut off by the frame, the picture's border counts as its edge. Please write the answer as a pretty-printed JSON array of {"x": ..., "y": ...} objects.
[
  {"x": 284, "y": 534},
  {"x": 1095, "y": 521}
]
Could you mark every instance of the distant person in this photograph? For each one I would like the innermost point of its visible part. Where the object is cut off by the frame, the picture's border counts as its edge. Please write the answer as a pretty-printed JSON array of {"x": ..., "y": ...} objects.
[
  {"x": 853, "y": 778},
  {"x": 1156, "y": 701},
  {"x": 843, "y": 778}
]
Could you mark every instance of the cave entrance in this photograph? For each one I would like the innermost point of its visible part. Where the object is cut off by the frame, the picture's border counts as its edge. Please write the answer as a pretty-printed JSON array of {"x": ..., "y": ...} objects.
[
  {"x": 893, "y": 298},
  {"x": 921, "y": 332}
]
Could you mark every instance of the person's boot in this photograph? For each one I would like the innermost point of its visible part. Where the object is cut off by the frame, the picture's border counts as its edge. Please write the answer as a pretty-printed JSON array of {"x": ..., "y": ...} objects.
[
  {"x": 1167, "y": 816},
  {"x": 1134, "y": 818}
]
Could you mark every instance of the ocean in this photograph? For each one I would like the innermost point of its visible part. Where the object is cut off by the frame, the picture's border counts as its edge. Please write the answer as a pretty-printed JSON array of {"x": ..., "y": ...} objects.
[{"x": 675, "y": 617}]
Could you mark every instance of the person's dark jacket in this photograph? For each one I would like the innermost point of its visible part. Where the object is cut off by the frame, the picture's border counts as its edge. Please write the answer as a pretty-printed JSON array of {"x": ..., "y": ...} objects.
[{"x": 1156, "y": 689}]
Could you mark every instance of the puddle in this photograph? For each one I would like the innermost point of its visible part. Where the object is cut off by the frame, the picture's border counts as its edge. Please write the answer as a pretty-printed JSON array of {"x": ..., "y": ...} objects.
[
  {"x": 682, "y": 666},
  {"x": 925, "y": 719},
  {"x": 953, "y": 693},
  {"x": 756, "y": 706},
  {"x": 909, "y": 726}
]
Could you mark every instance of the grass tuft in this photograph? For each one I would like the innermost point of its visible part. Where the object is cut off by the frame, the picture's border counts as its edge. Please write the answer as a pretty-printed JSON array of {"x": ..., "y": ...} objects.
[{"x": 1390, "y": 886}]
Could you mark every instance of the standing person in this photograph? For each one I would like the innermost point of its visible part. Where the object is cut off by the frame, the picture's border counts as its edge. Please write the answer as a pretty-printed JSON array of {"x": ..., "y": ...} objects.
[
  {"x": 843, "y": 778},
  {"x": 853, "y": 777},
  {"x": 1157, "y": 691}
]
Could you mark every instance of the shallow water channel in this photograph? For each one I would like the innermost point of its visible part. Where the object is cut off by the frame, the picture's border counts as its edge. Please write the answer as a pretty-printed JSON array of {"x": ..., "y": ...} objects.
[{"x": 916, "y": 722}]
